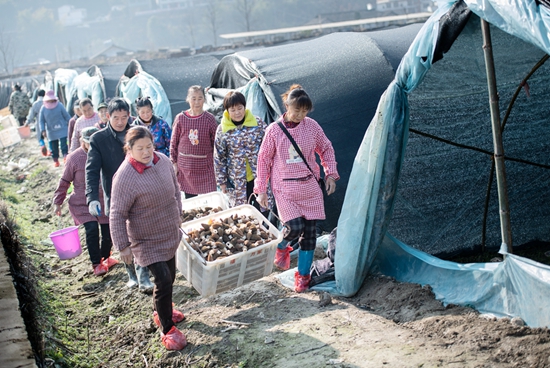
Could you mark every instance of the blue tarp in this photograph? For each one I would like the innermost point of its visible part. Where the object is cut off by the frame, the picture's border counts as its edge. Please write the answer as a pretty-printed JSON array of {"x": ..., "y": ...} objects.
[{"x": 516, "y": 287}]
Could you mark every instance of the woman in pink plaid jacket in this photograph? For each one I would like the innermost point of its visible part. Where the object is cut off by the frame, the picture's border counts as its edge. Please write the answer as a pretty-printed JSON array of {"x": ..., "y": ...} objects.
[{"x": 295, "y": 182}]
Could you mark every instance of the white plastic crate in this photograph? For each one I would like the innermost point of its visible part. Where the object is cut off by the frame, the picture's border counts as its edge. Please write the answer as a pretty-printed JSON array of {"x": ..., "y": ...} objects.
[
  {"x": 8, "y": 121},
  {"x": 9, "y": 137},
  {"x": 210, "y": 278},
  {"x": 213, "y": 199}
]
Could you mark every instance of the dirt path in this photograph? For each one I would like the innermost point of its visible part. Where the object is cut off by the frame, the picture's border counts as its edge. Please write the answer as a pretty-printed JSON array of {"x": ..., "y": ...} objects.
[{"x": 98, "y": 322}]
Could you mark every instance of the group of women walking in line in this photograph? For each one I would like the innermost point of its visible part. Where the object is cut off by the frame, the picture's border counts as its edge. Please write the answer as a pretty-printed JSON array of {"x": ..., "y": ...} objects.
[{"x": 143, "y": 165}]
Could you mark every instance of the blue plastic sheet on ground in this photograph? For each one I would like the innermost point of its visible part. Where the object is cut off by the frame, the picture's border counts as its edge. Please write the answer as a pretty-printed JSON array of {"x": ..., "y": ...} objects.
[{"x": 517, "y": 287}]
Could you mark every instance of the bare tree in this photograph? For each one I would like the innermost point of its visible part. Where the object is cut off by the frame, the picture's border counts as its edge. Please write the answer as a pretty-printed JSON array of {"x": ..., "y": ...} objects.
[
  {"x": 246, "y": 8},
  {"x": 212, "y": 16},
  {"x": 8, "y": 51}
]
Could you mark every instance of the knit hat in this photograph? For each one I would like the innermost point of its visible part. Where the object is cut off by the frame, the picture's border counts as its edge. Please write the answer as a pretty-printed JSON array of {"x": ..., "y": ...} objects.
[
  {"x": 87, "y": 133},
  {"x": 50, "y": 96}
]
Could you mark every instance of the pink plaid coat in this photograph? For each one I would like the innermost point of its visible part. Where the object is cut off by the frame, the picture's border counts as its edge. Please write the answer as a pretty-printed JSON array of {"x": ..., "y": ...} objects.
[
  {"x": 192, "y": 149},
  {"x": 145, "y": 211},
  {"x": 278, "y": 160}
]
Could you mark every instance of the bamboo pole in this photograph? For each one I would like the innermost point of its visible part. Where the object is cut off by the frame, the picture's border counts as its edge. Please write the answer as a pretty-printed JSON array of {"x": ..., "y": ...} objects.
[
  {"x": 505, "y": 228},
  {"x": 504, "y": 121}
]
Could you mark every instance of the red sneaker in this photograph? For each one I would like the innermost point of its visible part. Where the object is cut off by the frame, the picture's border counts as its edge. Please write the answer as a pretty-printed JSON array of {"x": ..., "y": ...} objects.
[
  {"x": 174, "y": 339},
  {"x": 109, "y": 262},
  {"x": 44, "y": 151},
  {"x": 64, "y": 160},
  {"x": 100, "y": 269},
  {"x": 301, "y": 283},
  {"x": 282, "y": 258},
  {"x": 56, "y": 164},
  {"x": 177, "y": 317}
]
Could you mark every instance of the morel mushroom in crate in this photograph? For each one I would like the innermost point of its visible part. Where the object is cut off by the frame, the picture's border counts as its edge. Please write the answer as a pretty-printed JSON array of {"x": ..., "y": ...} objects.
[{"x": 227, "y": 249}]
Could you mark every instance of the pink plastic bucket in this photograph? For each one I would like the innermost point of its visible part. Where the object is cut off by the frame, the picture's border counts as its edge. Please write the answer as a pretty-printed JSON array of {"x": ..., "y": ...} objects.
[{"x": 67, "y": 242}]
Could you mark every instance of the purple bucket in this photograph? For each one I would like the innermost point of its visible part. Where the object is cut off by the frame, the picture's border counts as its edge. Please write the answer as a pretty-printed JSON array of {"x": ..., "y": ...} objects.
[{"x": 67, "y": 242}]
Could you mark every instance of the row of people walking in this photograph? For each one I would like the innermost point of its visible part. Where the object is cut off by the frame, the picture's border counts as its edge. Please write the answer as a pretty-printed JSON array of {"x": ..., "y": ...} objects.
[{"x": 126, "y": 166}]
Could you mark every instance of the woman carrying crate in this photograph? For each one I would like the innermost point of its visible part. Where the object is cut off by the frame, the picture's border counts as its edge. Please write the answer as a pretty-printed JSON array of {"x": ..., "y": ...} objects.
[
  {"x": 287, "y": 159},
  {"x": 145, "y": 223}
]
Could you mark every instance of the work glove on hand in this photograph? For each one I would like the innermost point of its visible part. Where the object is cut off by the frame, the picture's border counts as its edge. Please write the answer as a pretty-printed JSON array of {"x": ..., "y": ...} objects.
[{"x": 94, "y": 208}]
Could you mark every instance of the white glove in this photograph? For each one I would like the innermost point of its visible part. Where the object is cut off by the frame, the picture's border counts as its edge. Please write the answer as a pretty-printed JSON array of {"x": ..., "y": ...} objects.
[{"x": 94, "y": 208}]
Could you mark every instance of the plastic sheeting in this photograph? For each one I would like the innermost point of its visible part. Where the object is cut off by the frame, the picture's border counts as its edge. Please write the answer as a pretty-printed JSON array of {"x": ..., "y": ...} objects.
[
  {"x": 372, "y": 188},
  {"x": 255, "y": 100},
  {"x": 515, "y": 287},
  {"x": 144, "y": 84},
  {"x": 85, "y": 85},
  {"x": 344, "y": 73},
  {"x": 63, "y": 83}
]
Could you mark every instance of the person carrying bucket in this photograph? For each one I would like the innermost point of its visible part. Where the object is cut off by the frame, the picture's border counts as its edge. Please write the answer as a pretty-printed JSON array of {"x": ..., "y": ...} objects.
[
  {"x": 104, "y": 157},
  {"x": 74, "y": 172}
]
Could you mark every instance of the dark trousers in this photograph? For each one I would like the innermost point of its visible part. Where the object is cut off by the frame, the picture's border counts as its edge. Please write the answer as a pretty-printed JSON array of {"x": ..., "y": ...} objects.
[
  {"x": 22, "y": 121},
  {"x": 96, "y": 251},
  {"x": 187, "y": 195},
  {"x": 304, "y": 229},
  {"x": 165, "y": 274},
  {"x": 56, "y": 144}
]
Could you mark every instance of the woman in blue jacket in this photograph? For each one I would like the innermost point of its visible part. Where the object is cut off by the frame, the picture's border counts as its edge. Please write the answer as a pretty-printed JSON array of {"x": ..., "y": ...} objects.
[{"x": 53, "y": 123}]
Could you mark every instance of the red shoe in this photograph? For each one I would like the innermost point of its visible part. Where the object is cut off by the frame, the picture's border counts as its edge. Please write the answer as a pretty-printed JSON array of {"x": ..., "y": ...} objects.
[
  {"x": 282, "y": 258},
  {"x": 109, "y": 262},
  {"x": 177, "y": 317},
  {"x": 301, "y": 283},
  {"x": 64, "y": 160},
  {"x": 100, "y": 269},
  {"x": 56, "y": 164},
  {"x": 44, "y": 151},
  {"x": 174, "y": 339}
]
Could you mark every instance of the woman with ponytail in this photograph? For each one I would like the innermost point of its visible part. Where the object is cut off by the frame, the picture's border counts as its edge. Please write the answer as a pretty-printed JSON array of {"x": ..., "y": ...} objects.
[{"x": 287, "y": 160}]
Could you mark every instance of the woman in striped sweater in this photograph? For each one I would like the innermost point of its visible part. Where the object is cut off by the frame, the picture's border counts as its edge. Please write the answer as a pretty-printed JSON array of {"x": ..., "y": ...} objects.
[{"x": 145, "y": 224}]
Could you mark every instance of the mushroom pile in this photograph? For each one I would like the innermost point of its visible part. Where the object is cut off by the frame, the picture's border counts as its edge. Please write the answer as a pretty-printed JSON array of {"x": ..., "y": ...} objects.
[
  {"x": 223, "y": 237},
  {"x": 197, "y": 213}
]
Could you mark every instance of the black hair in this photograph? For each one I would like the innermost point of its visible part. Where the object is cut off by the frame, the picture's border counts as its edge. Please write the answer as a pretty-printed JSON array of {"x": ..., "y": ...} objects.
[
  {"x": 144, "y": 101},
  {"x": 118, "y": 104},
  {"x": 85, "y": 101},
  {"x": 298, "y": 97},
  {"x": 233, "y": 98},
  {"x": 17, "y": 87},
  {"x": 135, "y": 133},
  {"x": 41, "y": 93}
]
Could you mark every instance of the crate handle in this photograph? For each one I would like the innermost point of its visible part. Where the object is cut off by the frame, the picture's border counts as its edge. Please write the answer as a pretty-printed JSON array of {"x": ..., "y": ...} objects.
[{"x": 269, "y": 209}]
